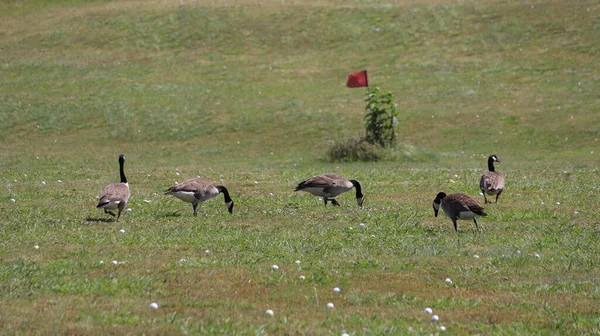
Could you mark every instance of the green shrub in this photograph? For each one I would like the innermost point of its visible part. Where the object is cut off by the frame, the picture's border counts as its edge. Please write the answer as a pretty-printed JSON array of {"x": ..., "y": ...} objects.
[
  {"x": 353, "y": 149},
  {"x": 358, "y": 149},
  {"x": 381, "y": 118}
]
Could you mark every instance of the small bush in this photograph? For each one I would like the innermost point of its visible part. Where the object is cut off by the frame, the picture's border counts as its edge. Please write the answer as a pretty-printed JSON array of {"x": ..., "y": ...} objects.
[
  {"x": 359, "y": 149},
  {"x": 353, "y": 149},
  {"x": 381, "y": 119}
]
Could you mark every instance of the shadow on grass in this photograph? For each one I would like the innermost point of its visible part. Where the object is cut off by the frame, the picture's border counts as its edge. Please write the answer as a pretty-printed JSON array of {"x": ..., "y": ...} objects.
[
  {"x": 95, "y": 219},
  {"x": 171, "y": 214}
]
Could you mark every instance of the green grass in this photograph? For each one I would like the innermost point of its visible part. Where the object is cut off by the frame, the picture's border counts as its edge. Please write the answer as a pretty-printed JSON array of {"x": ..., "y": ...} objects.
[{"x": 251, "y": 94}]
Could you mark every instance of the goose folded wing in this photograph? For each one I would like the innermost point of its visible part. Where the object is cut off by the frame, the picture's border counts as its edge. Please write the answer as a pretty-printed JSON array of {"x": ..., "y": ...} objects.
[
  {"x": 315, "y": 182},
  {"x": 474, "y": 207}
]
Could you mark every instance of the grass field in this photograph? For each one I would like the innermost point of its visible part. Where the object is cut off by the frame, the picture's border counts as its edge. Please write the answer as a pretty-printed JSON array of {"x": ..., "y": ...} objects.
[{"x": 252, "y": 94}]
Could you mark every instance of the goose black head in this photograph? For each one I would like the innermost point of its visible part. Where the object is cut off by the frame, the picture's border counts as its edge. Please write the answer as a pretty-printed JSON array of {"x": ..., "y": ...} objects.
[{"x": 437, "y": 202}]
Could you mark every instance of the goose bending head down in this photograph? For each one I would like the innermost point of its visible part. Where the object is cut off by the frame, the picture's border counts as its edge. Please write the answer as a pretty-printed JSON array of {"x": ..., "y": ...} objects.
[
  {"x": 198, "y": 190},
  {"x": 115, "y": 195},
  {"x": 329, "y": 186},
  {"x": 458, "y": 207}
]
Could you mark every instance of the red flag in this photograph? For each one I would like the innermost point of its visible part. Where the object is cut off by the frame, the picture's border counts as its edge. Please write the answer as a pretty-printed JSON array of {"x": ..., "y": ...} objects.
[{"x": 358, "y": 79}]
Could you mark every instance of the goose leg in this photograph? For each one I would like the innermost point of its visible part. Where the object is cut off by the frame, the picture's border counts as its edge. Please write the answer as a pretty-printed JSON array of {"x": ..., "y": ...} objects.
[
  {"x": 106, "y": 211},
  {"x": 195, "y": 205},
  {"x": 121, "y": 207},
  {"x": 334, "y": 202},
  {"x": 119, "y": 213},
  {"x": 455, "y": 226},
  {"x": 476, "y": 225}
]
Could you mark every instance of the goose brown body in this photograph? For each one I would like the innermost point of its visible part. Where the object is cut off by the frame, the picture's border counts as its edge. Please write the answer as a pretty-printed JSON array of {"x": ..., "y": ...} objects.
[
  {"x": 198, "y": 190},
  {"x": 458, "y": 207},
  {"x": 492, "y": 182},
  {"x": 329, "y": 186},
  {"x": 115, "y": 195}
]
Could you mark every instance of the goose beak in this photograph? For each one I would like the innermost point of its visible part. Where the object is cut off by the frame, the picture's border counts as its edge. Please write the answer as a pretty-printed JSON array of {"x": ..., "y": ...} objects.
[
  {"x": 360, "y": 201},
  {"x": 230, "y": 207}
]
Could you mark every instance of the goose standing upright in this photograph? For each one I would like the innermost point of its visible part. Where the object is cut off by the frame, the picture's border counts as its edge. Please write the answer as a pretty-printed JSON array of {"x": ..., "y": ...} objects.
[
  {"x": 198, "y": 190},
  {"x": 458, "y": 206},
  {"x": 492, "y": 182},
  {"x": 329, "y": 186},
  {"x": 115, "y": 195}
]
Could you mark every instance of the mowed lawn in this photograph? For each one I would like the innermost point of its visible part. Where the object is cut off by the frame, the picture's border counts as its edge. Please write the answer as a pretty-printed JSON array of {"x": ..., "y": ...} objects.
[{"x": 251, "y": 94}]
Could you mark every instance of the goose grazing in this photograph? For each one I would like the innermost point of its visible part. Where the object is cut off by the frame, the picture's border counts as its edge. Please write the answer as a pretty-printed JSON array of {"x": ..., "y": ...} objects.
[
  {"x": 115, "y": 195},
  {"x": 458, "y": 206},
  {"x": 492, "y": 182},
  {"x": 198, "y": 190},
  {"x": 329, "y": 186}
]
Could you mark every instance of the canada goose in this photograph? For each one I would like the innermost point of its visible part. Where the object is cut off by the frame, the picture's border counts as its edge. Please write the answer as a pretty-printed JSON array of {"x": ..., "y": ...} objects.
[
  {"x": 492, "y": 182},
  {"x": 458, "y": 206},
  {"x": 198, "y": 190},
  {"x": 115, "y": 195},
  {"x": 329, "y": 186}
]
